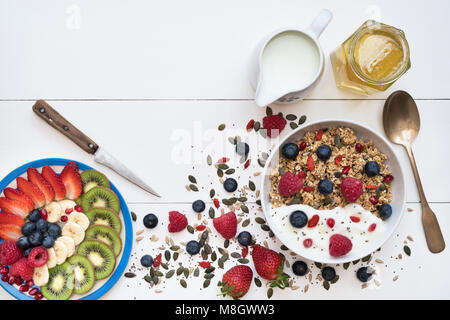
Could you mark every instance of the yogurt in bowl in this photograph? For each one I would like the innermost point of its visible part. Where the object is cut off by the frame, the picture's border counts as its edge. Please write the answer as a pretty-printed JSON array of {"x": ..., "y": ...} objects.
[{"x": 361, "y": 222}]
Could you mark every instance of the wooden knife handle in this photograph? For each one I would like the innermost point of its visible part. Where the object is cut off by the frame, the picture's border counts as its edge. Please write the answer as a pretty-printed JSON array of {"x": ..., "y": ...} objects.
[{"x": 57, "y": 121}]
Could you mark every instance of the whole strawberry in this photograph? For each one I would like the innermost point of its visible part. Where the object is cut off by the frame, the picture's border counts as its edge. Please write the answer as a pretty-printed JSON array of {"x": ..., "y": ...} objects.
[
  {"x": 269, "y": 264},
  {"x": 236, "y": 281},
  {"x": 289, "y": 184},
  {"x": 351, "y": 189},
  {"x": 9, "y": 252},
  {"x": 22, "y": 269},
  {"x": 226, "y": 225},
  {"x": 339, "y": 245},
  {"x": 177, "y": 221},
  {"x": 274, "y": 124}
]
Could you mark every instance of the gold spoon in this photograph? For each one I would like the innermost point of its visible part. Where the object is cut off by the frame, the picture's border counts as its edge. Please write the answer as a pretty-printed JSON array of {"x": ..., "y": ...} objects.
[{"x": 402, "y": 123}]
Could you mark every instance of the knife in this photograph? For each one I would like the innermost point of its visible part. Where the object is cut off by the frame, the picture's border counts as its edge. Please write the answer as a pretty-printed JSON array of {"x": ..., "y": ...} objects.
[{"x": 53, "y": 118}]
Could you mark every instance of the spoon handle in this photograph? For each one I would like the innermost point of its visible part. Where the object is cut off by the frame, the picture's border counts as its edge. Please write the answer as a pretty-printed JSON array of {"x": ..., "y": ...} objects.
[{"x": 433, "y": 234}]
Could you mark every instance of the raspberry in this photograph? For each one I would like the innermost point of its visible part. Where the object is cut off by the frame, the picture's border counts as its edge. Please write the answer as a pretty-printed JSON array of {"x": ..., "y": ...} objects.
[
  {"x": 302, "y": 145},
  {"x": 157, "y": 260},
  {"x": 274, "y": 124},
  {"x": 351, "y": 189},
  {"x": 359, "y": 148},
  {"x": 339, "y": 245},
  {"x": 226, "y": 225},
  {"x": 250, "y": 125},
  {"x": 302, "y": 174},
  {"x": 289, "y": 184},
  {"x": 38, "y": 257},
  {"x": 9, "y": 253},
  {"x": 177, "y": 221},
  {"x": 388, "y": 178},
  {"x": 22, "y": 269}
]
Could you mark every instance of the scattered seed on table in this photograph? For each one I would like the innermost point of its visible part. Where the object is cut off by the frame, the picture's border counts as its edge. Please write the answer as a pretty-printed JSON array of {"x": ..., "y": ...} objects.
[
  {"x": 133, "y": 216},
  {"x": 258, "y": 282},
  {"x": 407, "y": 250},
  {"x": 130, "y": 275},
  {"x": 221, "y": 127},
  {"x": 302, "y": 119},
  {"x": 206, "y": 283},
  {"x": 170, "y": 274},
  {"x": 183, "y": 283}
]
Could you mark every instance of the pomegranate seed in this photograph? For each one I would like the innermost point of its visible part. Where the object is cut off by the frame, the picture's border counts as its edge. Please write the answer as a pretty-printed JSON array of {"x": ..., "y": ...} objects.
[
  {"x": 302, "y": 174},
  {"x": 24, "y": 288},
  {"x": 310, "y": 163},
  {"x": 373, "y": 200},
  {"x": 69, "y": 211},
  {"x": 244, "y": 252},
  {"x": 43, "y": 213},
  {"x": 216, "y": 203},
  {"x": 223, "y": 160},
  {"x": 18, "y": 281},
  {"x": 205, "y": 264},
  {"x": 250, "y": 125},
  {"x": 313, "y": 221},
  {"x": 157, "y": 260},
  {"x": 359, "y": 148},
  {"x": 247, "y": 163},
  {"x": 372, "y": 227},
  {"x": 38, "y": 296},
  {"x": 388, "y": 178},
  {"x": 355, "y": 219},
  {"x": 338, "y": 160},
  {"x": 5, "y": 278},
  {"x": 319, "y": 135},
  {"x": 64, "y": 218},
  {"x": 11, "y": 280},
  {"x": 33, "y": 291},
  {"x": 308, "y": 189},
  {"x": 307, "y": 243},
  {"x": 330, "y": 222},
  {"x": 200, "y": 227},
  {"x": 78, "y": 208},
  {"x": 30, "y": 283},
  {"x": 4, "y": 270},
  {"x": 302, "y": 146},
  {"x": 346, "y": 170},
  {"x": 371, "y": 187}
]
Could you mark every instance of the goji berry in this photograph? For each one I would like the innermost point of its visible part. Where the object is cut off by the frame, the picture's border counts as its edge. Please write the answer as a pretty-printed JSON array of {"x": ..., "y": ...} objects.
[
  {"x": 371, "y": 187},
  {"x": 313, "y": 221},
  {"x": 244, "y": 252},
  {"x": 216, "y": 203},
  {"x": 319, "y": 135},
  {"x": 247, "y": 163},
  {"x": 157, "y": 261},
  {"x": 346, "y": 170},
  {"x": 205, "y": 264},
  {"x": 223, "y": 160},
  {"x": 355, "y": 219},
  {"x": 310, "y": 163},
  {"x": 372, "y": 227},
  {"x": 308, "y": 189},
  {"x": 200, "y": 227},
  {"x": 250, "y": 125},
  {"x": 338, "y": 160}
]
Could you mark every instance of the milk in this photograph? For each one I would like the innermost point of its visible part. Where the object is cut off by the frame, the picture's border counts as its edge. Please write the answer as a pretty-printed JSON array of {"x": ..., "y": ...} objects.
[{"x": 289, "y": 62}]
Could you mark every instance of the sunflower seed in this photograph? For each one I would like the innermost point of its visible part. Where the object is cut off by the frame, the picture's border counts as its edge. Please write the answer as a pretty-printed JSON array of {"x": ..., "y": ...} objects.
[{"x": 130, "y": 275}]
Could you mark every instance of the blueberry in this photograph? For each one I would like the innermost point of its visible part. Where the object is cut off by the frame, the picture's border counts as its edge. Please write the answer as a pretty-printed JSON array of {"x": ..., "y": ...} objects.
[
  {"x": 193, "y": 247},
  {"x": 230, "y": 185},
  {"x": 26, "y": 253},
  {"x": 42, "y": 226},
  {"x": 54, "y": 230},
  {"x": 147, "y": 261},
  {"x": 242, "y": 148},
  {"x": 385, "y": 211},
  {"x": 34, "y": 215},
  {"x": 298, "y": 219},
  {"x": 328, "y": 273},
  {"x": 325, "y": 186},
  {"x": 323, "y": 152},
  {"x": 198, "y": 206},
  {"x": 48, "y": 242},
  {"x": 245, "y": 238},
  {"x": 150, "y": 221},
  {"x": 299, "y": 268},
  {"x": 372, "y": 168},
  {"x": 28, "y": 228},
  {"x": 35, "y": 238},
  {"x": 290, "y": 150},
  {"x": 23, "y": 243},
  {"x": 363, "y": 274}
]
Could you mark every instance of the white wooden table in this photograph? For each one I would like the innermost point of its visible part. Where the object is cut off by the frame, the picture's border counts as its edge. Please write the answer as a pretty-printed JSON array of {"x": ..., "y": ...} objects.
[{"x": 134, "y": 75}]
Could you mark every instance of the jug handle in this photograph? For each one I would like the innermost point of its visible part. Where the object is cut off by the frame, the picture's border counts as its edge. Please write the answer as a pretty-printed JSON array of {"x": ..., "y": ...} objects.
[{"x": 320, "y": 22}]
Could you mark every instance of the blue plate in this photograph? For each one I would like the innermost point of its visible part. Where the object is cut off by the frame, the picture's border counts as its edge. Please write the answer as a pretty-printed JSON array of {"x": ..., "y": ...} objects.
[{"x": 126, "y": 218}]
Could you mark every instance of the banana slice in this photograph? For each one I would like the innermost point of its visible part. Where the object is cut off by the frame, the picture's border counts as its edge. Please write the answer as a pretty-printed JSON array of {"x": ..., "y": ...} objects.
[
  {"x": 69, "y": 243},
  {"x": 75, "y": 231},
  {"x": 54, "y": 211},
  {"x": 79, "y": 218},
  {"x": 40, "y": 275},
  {"x": 60, "y": 251},
  {"x": 51, "y": 262},
  {"x": 66, "y": 204}
]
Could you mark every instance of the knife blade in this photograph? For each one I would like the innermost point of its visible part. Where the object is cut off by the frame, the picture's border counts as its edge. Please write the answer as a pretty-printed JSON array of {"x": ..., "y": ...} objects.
[{"x": 52, "y": 117}]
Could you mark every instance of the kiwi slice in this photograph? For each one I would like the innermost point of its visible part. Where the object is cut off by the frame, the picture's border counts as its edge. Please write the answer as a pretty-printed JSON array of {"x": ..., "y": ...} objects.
[
  {"x": 100, "y": 197},
  {"x": 93, "y": 178},
  {"x": 107, "y": 235},
  {"x": 83, "y": 273},
  {"x": 60, "y": 283},
  {"x": 100, "y": 255},
  {"x": 104, "y": 217}
]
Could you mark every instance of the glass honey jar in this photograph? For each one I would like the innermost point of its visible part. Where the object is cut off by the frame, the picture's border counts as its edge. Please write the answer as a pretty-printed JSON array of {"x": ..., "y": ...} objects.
[{"x": 371, "y": 59}]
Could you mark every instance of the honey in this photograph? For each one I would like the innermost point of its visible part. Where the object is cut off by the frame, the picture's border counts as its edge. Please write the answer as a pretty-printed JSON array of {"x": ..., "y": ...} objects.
[{"x": 371, "y": 59}]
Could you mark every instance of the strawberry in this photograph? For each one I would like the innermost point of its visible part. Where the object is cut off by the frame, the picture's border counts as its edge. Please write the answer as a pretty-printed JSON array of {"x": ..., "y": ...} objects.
[
  {"x": 236, "y": 281},
  {"x": 289, "y": 184},
  {"x": 35, "y": 177},
  {"x": 351, "y": 189},
  {"x": 10, "y": 232},
  {"x": 9, "y": 218},
  {"x": 269, "y": 264},
  {"x": 339, "y": 245},
  {"x": 177, "y": 221},
  {"x": 15, "y": 194},
  {"x": 226, "y": 225},
  {"x": 9, "y": 252},
  {"x": 31, "y": 190},
  {"x": 22, "y": 269},
  {"x": 274, "y": 124},
  {"x": 55, "y": 181},
  {"x": 72, "y": 180},
  {"x": 14, "y": 207}
]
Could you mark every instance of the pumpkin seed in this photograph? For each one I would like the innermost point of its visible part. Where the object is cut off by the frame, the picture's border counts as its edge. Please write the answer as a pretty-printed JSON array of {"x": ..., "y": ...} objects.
[
  {"x": 265, "y": 227},
  {"x": 196, "y": 272},
  {"x": 190, "y": 229},
  {"x": 246, "y": 222},
  {"x": 155, "y": 279},
  {"x": 208, "y": 248},
  {"x": 318, "y": 265},
  {"x": 302, "y": 119},
  {"x": 271, "y": 234},
  {"x": 269, "y": 111},
  {"x": 293, "y": 125},
  {"x": 236, "y": 255},
  {"x": 192, "y": 179},
  {"x": 148, "y": 279},
  {"x": 206, "y": 283},
  {"x": 244, "y": 209},
  {"x": 133, "y": 216},
  {"x": 346, "y": 265},
  {"x": 407, "y": 250},
  {"x": 183, "y": 283},
  {"x": 209, "y": 276},
  {"x": 193, "y": 187},
  {"x": 338, "y": 174},
  {"x": 258, "y": 282},
  {"x": 242, "y": 199},
  {"x": 283, "y": 247},
  {"x": 152, "y": 272},
  {"x": 366, "y": 258},
  {"x": 205, "y": 235},
  {"x": 291, "y": 117},
  {"x": 221, "y": 127},
  {"x": 230, "y": 171},
  {"x": 231, "y": 140},
  {"x": 258, "y": 202},
  {"x": 337, "y": 141},
  {"x": 214, "y": 256},
  {"x": 175, "y": 256},
  {"x": 335, "y": 279},
  {"x": 210, "y": 269},
  {"x": 212, "y": 213},
  {"x": 209, "y": 160},
  {"x": 261, "y": 162},
  {"x": 326, "y": 285},
  {"x": 243, "y": 261},
  {"x": 180, "y": 270},
  {"x": 212, "y": 192},
  {"x": 175, "y": 248},
  {"x": 327, "y": 201},
  {"x": 164, "y": 265},
  {"x": 226, "y": 243},
  {"x": 130, "y": 275},
  {"x": 186, "y": 272},
  {"x": 263, "y": 133},
  {"x": 251, "y": 185},
  {"x": 269, "y": 293},
  {"x": 219, "y": 173},
  {"x": 257, "y": 126},
  {"x": 260, "y": 220},
  {"x": 170, "y": 274},
  {"x": 158, "y": 273}
]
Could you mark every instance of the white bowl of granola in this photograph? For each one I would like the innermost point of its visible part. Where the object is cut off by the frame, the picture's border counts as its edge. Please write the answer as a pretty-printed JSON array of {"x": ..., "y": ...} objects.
[{"x": 363, "y": 224}]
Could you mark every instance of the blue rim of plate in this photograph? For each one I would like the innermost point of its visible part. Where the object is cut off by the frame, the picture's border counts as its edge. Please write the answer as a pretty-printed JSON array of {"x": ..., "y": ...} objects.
[{"x": 12, "y": 290}]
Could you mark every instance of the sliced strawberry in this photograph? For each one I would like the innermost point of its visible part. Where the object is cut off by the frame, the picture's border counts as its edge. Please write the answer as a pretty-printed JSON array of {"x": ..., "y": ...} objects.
[
  {"x": 35, "y": 177},
  {"x": 15, "y": 194},
  {"x": 72, "y": 180},
  {"x": 55, "y": 181},
  {"x": 31, "y": 190},
  {"x": 10, "y": 232},
  {"x": 9, "y": 218},
  {"x": 14, "y": 207}
]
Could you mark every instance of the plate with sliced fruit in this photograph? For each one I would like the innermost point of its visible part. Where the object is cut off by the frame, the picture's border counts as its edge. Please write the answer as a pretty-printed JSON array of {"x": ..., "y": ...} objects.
[{"x": 65, "y": 231}]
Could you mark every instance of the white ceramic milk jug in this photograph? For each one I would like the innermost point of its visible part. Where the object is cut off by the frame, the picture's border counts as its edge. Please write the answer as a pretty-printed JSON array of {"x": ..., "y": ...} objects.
[{"x": 288, "y": 63}]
